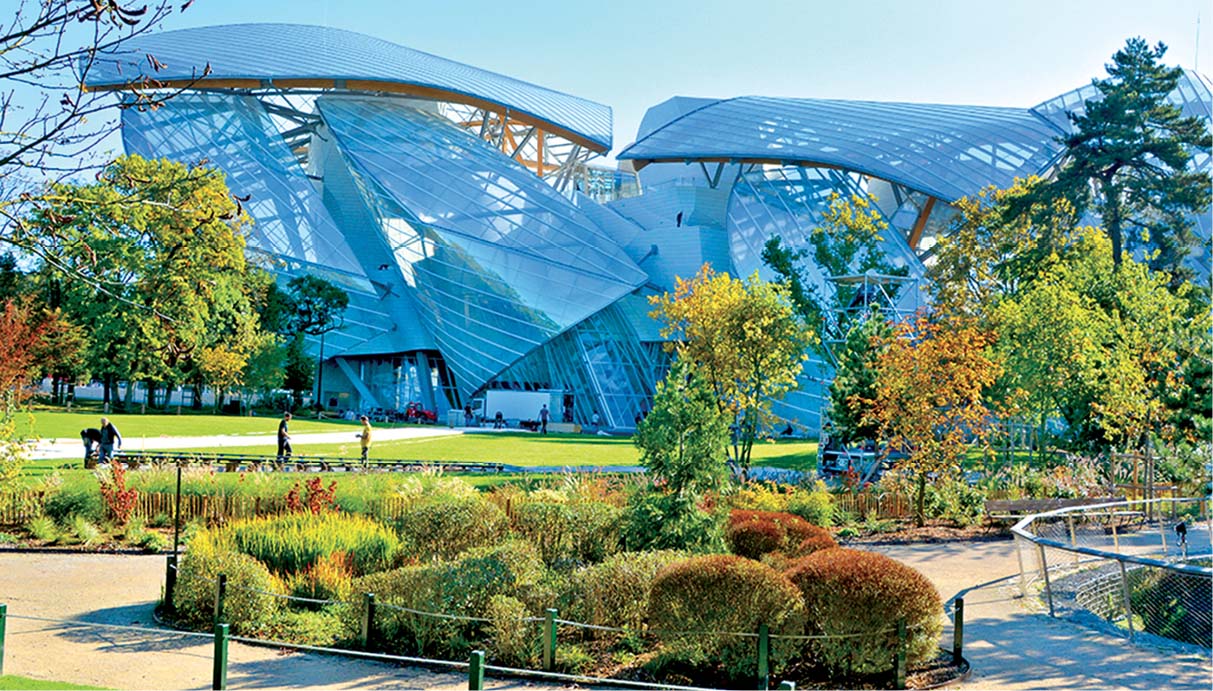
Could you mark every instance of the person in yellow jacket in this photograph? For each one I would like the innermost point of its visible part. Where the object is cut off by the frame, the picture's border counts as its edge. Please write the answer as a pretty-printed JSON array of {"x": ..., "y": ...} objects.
[{"x": 365, "y": 437}]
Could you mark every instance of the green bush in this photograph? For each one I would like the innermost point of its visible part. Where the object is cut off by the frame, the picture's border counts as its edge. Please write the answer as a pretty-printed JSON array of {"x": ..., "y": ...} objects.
[
  {"x": 291, "y": 543},
  {"x": 725, "y": 593},
  {"x": 616, "y": 592},
  {"x": 248, "y": 607},
  {"x": 815, "y": 506},
  {"x": 515, "y": 640},
  {"x": 72, "y": 501},
  {"x": 43, "y": 528},
  {"x": 463, "y": 588},
  {"x": 657, "y": 521},
  {"x": 85, "y": 532},
  {"x": 443, "y": 529},
  {"x": 848, "y": 592},
  {"x": 578, "y": 532}
]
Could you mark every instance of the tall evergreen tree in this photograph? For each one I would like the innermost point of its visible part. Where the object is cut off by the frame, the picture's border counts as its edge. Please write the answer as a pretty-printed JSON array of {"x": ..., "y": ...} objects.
[{"x": 1129, "y": 158}]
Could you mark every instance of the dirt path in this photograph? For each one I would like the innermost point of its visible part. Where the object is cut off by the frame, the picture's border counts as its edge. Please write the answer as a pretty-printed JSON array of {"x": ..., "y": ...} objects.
[
  {"x": 117, "y": 589},
  {"x": 1009, "y": 646}
]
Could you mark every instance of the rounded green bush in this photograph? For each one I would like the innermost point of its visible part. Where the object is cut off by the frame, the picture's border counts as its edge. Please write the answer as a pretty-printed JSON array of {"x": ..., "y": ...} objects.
[
  {"x": 849, "y": 592},
  {"x": 291, "y": 543},
  {"x": 616, "y": 592},
  {"x": 443, "y": 529},
  {"x": 725, "y": 594},
  {"x": 247, "y": 607}
]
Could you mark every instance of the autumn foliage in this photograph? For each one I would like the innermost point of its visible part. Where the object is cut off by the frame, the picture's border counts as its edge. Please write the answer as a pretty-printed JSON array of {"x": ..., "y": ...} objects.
[
  {"x": 849, "y": 592},
  {"x": 753, "y": 534},
  {"x": 314, "y": 498},
  {"x": 120, "y": 500}
]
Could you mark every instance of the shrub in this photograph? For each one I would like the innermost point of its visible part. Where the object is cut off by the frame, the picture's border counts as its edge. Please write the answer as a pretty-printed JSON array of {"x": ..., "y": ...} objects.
[
  {"x": 547, "y": 525},
  {"x": 329, "y": 578},
  {"x": 85, "y": 531},
  {"x": 815, "y": 506},
  {"x": 445, "y": 528},
  {"x": 323, "y": 628},
  {"x": 755, "y": 533},
  {"x": 120, "y": 500},
  {"x": 290, "y": 543},
  {"x": 75, "y": 501},
  {"x": 655, "y": 521},
  {"x": 724, "y": 593},
  {"x": 247, "y": 608},
  {"x": 462, "y": 588},
  {"x": 43, "y": 528},
  {"x": 563, "y": 532},
  {"x": 514, "y": 638},
  {"x": 148, "y": 541},
  {"x": 616, "y": 592},
  {"x": 595, "y": 530},
  {"x": 850, "y": 592}
]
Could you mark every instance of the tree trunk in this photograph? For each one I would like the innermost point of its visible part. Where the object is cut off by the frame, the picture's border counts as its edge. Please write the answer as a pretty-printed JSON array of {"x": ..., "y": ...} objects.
[
  {"x": 1112, "y": 219},
  {"x": 920, "y": 508},
  {"x": 196, "y": 404}
]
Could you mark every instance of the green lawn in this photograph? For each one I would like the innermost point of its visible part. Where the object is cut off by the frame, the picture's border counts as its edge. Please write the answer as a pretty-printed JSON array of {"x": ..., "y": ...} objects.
[
  {"x": 50, "y": 424},
  {"x": 10, "y": 681},
  {"x": 527, "y": 449}
]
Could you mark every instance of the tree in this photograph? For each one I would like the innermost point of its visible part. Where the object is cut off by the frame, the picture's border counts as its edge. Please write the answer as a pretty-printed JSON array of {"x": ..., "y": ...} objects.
[
  {"x": 50, "y": 125},
  {"x": 265, "y": 369},
  {"x": 170, "y": 275},
  {"x": 743, "y": 338},
  {"x": 299, "y": 368},
  {"x": 929, "y": 394},
  {"x": 855, "y": 378},
  {"x": 683, "y": 439},
  {"x": 848, "y": 241},
  {"x": 319, "y": 307},
  {"x": 1129, "y": 158}
]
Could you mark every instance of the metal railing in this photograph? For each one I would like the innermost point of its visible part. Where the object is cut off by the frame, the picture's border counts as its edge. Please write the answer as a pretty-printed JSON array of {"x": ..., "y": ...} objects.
[{"x": 1138, "y": 568}]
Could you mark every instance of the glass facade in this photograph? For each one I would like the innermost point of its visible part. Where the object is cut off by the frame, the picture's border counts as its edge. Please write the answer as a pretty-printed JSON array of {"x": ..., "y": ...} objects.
[{"x": 468, "y": 271}]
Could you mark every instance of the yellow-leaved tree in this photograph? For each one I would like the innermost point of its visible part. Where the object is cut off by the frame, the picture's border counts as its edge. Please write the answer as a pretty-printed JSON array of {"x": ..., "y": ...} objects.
[{"x": 741, "y": 336}]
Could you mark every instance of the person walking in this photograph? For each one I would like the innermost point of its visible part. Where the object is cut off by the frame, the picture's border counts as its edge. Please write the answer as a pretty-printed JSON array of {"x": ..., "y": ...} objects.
[
  {"x": 92, "y": 439},
  {"x": 468, "y": 417},
  {"x": 365, "y": 437},
  {"x": 284, "y": 437},
  {"x": 110, "y": 438},
  {"x": 544, "y": 414}
]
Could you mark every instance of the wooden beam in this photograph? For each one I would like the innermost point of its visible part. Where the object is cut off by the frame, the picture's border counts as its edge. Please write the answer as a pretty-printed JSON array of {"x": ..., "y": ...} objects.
[{"x": 920, "y": 224}]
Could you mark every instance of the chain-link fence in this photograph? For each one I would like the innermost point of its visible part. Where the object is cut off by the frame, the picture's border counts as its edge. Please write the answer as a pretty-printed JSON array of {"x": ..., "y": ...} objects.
[{"x": 1138, "y": 568}]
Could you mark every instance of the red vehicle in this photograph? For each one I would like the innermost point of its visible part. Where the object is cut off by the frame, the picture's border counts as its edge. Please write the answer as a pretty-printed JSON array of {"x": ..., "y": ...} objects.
[{"x": 415, "y": 413}]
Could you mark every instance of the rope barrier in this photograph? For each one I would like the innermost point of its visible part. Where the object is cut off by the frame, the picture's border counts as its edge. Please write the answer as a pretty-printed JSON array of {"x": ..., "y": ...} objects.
[
  {"x": 143, "y": 629},
  {"x": 352, "y": 653},
  {"x": 439, "y": 615},
  {"x": 583, "y": 679}
]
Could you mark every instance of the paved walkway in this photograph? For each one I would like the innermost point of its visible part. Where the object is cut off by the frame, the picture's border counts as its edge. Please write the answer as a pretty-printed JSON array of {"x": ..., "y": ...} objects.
[
  {"x": 72, "y": 448},
  {"x": 1009, "y": 646}
]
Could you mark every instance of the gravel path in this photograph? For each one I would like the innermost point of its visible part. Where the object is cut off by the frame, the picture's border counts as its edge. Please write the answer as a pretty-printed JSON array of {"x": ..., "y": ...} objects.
[{"x": 1009, "y": 646}]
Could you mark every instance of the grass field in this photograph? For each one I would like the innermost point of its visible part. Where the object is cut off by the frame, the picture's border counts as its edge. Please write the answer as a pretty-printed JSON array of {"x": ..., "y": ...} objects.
[
  {"x": 528, "y": 449},
  {"x": 51, "y": 424},
  {"x": 10, "y": 681}
]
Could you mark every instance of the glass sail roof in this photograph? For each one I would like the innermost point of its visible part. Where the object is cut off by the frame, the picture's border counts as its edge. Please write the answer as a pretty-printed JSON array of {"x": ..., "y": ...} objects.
[
  {"x": 947, "y": 151},
  {"x": 500, "y": 261},
  {"x": 296, "y": 55}
]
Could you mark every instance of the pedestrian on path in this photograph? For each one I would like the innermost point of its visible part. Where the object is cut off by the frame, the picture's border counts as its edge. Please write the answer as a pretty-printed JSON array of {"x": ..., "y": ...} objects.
[
  {"x": 110, "y": 438},
  {"x": 92, "y": 439},
  {"x": 365, "y": 437},
  {"x": 284, "y": 438},
  {"x": 543, "y": 419}
]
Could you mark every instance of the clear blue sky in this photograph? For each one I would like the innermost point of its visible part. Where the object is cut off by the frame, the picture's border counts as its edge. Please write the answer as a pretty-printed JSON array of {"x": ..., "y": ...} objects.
[{"x": 632, "y": 54}]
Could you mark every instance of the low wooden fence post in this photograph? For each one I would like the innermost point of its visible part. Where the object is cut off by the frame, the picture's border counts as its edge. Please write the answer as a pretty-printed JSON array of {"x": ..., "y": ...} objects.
[
  {"x": 220, "y": 596},
  {"x": 170, "y": 582},
  {"x": 219, "y": 672},
  {"x": 764, "y": 657},
  {"x": 368, "y": 620},
  {"x": 3, "y": 626},
  {"x": 476, "y": 671},
  {"x": 549, "y": 639},
  {"x": 958, "y": 630}
]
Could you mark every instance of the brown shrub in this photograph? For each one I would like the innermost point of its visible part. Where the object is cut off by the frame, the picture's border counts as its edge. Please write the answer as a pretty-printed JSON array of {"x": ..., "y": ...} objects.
[
  {"x": 755, "y": 533},
  {"x": 850, "y": 592},
  {"x": 724, "y": 594}
]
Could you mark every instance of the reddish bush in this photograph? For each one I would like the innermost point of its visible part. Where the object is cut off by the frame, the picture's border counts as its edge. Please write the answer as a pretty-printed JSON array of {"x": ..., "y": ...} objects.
[
  {"x": 316, "y": 497},
  {"x": 849, "y": 592},
  {"x": 755, "y": 533},
  {"x": 727, "y": 594},
  {"x": 120, "y": 500}
]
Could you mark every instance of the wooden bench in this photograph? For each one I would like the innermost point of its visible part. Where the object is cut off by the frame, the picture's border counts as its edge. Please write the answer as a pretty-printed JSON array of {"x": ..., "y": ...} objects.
[{"x": 1011, "y": 510}]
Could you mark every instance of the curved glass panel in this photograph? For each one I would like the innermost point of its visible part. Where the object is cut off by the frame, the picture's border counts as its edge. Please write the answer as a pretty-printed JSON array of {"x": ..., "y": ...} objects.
[
  {"x": 947, "y": 151},
  {"x": 500, "y": 261},
  {"x": 295, "y": 51}
]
